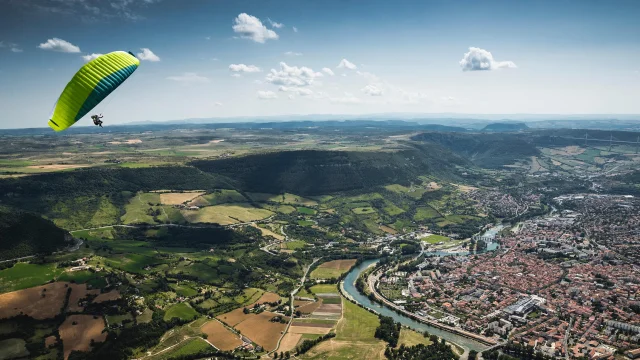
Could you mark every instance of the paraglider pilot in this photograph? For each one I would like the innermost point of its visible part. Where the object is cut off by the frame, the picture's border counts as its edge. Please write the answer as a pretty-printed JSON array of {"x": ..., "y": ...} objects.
[{"x": 96, "y": 119}]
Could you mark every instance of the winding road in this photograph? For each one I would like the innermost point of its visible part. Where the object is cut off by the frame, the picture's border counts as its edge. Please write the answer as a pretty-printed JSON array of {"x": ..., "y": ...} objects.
[{"x": 293, "y": 294}]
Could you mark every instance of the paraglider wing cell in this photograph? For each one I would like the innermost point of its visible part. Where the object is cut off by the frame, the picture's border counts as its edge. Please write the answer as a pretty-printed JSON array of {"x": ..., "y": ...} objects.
[{"x": 90, "y": 85}]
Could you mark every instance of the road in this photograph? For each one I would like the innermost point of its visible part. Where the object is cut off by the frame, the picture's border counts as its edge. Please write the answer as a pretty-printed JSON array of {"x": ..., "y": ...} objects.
[
  {"x": 293, "y": 294},
  {"x": 565, "y": 344}
]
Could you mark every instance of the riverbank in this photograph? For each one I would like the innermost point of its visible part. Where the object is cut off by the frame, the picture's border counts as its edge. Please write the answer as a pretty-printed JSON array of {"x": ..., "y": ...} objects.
[{"x": 349, "y": 291}]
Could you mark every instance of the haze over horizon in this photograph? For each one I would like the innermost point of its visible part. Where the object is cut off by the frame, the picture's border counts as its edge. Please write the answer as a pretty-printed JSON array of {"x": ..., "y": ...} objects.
[{"x": 228, "y": 59}]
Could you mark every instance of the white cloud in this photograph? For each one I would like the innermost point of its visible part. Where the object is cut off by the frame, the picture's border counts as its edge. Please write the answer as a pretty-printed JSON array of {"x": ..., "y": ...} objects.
[
  {"x": 236, "y": 75},
  {"x": 90, "y": 57},
  {"x": 372, "y": 90},
  {"x": 347, "y": 65},
  {"x": 59, "y": 45},
  {"x": 207, "y": 37},
  {"x": 147, "y": 55},
  {"x": 250, "y": 27},
  {"x": 295, "y": 29},
  {"x": 267, "y": 95},
  {"x": 291, "y": 97},
  {"x": 215, "y": 59},
  {"x": 292, "y": 75},
  {"x": 328, "y": 71},
  {"x": 291, "y": 53},
  {"x": 244, "y": 68},
  {"x": 217, "y": 103},
  {"x": 189, "y": 78},
  {"x": 481, "y": 59},
  {"x": 275, "y": 24},
  {"x": 296, "y": 90},
  {"x": 16, "y": 49}
]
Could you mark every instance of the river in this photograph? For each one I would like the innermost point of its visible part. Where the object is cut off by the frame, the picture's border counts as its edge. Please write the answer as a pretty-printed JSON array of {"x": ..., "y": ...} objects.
[{"x": 350, "y": 288}]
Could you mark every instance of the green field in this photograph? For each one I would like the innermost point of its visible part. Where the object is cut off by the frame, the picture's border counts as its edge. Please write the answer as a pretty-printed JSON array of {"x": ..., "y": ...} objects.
[
  {"x": 133, "y": 263},
  {"x": 220, "y": 197},
  {"x": 306, "y": 211},
  {"x": 325, "y": 273},
  {"x": 189, "y": 347},
  {"x": 96, "y": 280},
  {"x": 226, "y": 214},
  {"x": 306, "y": 223},
  {"x": 181, "y": 310},
  {"x": 424, "y": 213},
  {"x": 409, "y": 337},
  {"x": 184, "y": 290},
  {"x": 363, "y": 210},
  {"x": 324, "y": 289},
  {"x": 282, "y": 198},
  {"x": 12, "y": 348},
  {"x": 136, "y": 209},
  {"x": 415, "y": 193},
  {"x": 295, "y": 245},
  {"x": 391, "y": 209},
  {"x": 357, "y": 324},
  {"x": 145, "y": 317},
  {"x": 23, "y": 275},
  {"x": 434, "y": 239},
  {"x": 117, "y": 319}
]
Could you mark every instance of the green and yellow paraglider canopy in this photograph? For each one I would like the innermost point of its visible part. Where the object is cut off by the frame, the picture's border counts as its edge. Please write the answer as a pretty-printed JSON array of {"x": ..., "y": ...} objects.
[{"x": 90, "y": 85}]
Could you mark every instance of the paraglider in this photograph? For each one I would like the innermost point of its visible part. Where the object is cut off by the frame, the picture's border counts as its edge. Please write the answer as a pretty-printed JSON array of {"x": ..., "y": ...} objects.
[
  {"x": 89, "y": 86},
  {"x": 96, "y": 120}
]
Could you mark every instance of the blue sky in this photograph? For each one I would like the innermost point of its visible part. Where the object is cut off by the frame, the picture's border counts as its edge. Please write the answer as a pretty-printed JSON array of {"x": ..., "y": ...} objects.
[{"x": 266, "y": 57}]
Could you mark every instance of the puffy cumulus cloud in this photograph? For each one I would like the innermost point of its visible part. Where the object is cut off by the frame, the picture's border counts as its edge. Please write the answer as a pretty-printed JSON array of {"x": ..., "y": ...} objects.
[
  {"x": 147, "y": 55},
  {"x": 267, "y": 95},
  {"x": 291, "y": 53},
  {"x": 90, "y": 57},
  {"x": 346, "y": 64},
  {"x": 328, "y": 71},
  {"x": 296, "y": 90},
  {"x": 372, "y": 90},
  {"x": 244, "y": 68},
  {"x": 59, "y": 45},
  {"x": 292, "y": 75},
  {"x": 275, "y": 24},
  {"x": 480, "y": 59},
  {"x": 250, "y": 27},
  {"x": 189, "y": 78}
]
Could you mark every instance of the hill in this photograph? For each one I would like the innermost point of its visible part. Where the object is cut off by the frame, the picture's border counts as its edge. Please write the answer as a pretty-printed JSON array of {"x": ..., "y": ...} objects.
[
  {"x": 24, "y": 234},
  {"x": 486, "y": 150},
  {"x": 73, "y": 198},
  {"x": 505, "y": 127},
  {"x": 315, "y": 172}
]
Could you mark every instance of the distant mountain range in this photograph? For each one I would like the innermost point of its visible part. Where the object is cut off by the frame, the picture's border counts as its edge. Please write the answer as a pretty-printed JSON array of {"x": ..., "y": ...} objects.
[{"x": 432, "y": 122}]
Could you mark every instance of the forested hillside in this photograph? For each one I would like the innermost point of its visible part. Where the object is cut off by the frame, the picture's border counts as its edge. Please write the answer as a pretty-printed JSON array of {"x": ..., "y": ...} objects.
[
  {"x": 23, "y": 234},
  {"x": 314, "y": 172},
  {"x": 486, "y": 150},
  {"x": 76, "y": 196}
]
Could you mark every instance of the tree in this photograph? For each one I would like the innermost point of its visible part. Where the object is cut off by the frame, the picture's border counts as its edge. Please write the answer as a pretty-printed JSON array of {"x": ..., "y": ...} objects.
[{"x": 473, "y": 355}]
